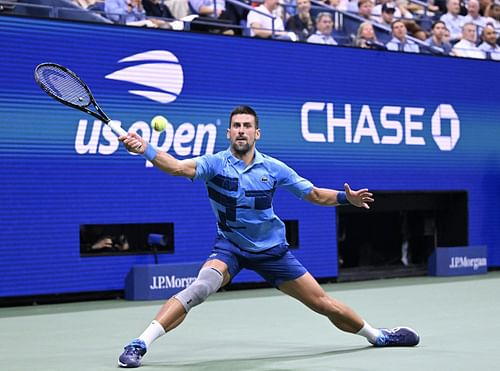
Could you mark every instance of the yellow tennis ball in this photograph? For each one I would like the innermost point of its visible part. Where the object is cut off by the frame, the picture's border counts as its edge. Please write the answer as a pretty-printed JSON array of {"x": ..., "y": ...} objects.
[{"x": 159, "y": 123}]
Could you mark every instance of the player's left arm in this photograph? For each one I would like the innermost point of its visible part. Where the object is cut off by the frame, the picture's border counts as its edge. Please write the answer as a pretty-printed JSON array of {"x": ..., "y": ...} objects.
[{"x": 331, "y": 197}]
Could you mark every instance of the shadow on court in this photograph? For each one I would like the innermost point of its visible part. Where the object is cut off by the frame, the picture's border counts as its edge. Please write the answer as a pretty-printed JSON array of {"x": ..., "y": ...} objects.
[{"x": 307, "y": 354}]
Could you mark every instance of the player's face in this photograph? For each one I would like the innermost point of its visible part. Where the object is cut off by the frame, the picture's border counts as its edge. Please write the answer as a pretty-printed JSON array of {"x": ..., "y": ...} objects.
[{"x": 242, "y": 133}]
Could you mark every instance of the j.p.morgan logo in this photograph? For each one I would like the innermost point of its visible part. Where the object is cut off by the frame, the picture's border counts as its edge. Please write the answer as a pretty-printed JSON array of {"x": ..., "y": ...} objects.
[
  {"x": 457, "y": 262},
  {"x": 160, "y": 71},
  {"x": 170, "y": 282}
]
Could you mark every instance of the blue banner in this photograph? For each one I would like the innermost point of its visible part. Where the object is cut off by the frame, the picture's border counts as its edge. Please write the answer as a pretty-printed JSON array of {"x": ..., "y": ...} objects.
[
  {"x": 159, "y": 281},
  {"x": 458, "y": 261},
  {"x": 386, "y": 121}
]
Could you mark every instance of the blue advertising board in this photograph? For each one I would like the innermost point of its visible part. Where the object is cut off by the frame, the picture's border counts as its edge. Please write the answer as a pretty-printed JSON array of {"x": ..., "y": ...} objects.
[
  {"x": 386, "y": 121},
  {"x": 458, "y": 261},
  {"x": 159, "y": 281}
]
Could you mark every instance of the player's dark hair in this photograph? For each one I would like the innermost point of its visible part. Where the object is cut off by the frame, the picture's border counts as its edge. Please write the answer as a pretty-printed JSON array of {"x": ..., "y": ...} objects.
[{"x": 244, "y": 110}]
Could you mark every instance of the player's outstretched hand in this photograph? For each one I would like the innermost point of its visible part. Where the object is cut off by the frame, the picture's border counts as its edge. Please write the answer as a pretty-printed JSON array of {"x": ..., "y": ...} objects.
[
  {"x": 360, "y": 198},
  {"x": 134, "y": 143}
]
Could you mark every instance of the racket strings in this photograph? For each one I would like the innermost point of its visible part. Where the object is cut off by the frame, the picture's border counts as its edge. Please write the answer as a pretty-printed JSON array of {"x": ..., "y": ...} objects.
[{"x": 63, "y": 85}]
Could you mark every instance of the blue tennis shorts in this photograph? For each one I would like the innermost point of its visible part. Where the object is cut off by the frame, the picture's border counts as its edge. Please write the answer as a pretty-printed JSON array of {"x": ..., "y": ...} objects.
[{"x": 276, "y": 265}]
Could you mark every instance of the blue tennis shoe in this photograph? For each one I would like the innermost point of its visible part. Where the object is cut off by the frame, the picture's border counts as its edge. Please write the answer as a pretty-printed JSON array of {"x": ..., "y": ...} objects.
[
  {"x": 132, "y": 354},
  {"x": 397, "y": 337}
]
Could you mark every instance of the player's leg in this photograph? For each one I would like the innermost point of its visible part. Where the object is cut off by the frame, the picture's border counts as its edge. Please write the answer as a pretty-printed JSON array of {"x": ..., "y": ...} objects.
[
  {"x": 307, "y": 290},
  {"x": 213, "y": 275}
]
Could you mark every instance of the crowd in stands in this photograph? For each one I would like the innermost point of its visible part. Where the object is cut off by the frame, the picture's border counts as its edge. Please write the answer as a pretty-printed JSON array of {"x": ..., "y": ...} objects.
[{"x": 463, "y": 28}]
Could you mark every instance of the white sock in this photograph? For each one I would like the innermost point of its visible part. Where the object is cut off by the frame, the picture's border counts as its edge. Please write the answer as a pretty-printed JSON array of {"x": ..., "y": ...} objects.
[
  {"x": 370, "y": 333},
  {"x": 152, "y": 332}
]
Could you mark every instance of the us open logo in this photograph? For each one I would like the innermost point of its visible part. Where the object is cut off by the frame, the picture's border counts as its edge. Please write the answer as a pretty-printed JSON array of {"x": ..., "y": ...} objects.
[
  {"x": 163, "y": 72},
  {"x": 159, "y": 77}
]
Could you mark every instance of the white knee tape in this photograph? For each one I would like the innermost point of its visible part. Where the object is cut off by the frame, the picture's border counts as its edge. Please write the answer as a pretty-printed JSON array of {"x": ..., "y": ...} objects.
[{"x": 209, "y": 280}]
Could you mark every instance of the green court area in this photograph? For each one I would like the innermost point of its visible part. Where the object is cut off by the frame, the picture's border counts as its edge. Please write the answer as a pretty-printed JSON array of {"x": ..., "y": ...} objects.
[{"x": 458, "y": 320}]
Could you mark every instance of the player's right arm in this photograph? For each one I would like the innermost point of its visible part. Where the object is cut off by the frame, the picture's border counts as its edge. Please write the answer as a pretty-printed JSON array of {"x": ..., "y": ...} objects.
[
  {"x": 173, "y": 166},
  {"x": 136, "y": 144}
]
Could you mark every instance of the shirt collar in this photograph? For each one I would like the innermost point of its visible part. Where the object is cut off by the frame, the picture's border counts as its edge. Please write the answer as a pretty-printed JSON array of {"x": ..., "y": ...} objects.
[{"x": 233, "y": 160}]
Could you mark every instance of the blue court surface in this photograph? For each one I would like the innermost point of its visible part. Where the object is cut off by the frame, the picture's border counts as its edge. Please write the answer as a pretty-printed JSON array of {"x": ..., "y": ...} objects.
[{"x": 457, "y": 318}]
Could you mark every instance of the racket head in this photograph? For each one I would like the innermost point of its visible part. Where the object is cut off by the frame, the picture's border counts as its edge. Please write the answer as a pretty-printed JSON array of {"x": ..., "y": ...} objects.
[
  {"x": 66, "y": 87},
  {"x": 63, "y": 84}
]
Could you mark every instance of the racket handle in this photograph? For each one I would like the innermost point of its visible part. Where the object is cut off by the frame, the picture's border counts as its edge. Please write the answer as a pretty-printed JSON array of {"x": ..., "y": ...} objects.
[{"x": 116, "y": 128}]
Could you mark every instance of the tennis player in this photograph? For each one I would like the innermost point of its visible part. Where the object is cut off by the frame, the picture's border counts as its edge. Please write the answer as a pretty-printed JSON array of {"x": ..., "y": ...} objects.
[{"x": 241, "y": 182}]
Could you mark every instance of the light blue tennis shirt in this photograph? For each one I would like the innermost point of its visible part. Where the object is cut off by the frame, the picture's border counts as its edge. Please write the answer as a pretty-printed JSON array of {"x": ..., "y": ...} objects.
[{"x": 242, "y": 196}]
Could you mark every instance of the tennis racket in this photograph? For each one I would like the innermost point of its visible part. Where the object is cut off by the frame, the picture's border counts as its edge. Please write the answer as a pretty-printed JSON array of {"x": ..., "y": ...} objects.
[{"x": 66, "y": 87}]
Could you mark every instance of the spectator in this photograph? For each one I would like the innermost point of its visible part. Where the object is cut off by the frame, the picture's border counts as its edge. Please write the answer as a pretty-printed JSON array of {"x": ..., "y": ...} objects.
[
  {"x": 93, "y": 5},
  {"x": 437, "y": 42},
  {"x": 473, "y": 16},
  {"x": 466, "y": 47},
  {"x": 440, "y": 5},
  {"x": 287, "y": 8},
  {"x": 386, "y": 4},
  {"x": 262, "y": 26},
  {"x": 493, "y": 14},
  {"x": 414, "y": 29},
  {"x": 102, "y": 239},
  {"x": 208, "y": 8},
  {"x": 129, "y": 12},
  {"x": 352, "y": 6},
  {"x": 453, "y": 20},
  {"x": 399, "y": 41},
  {"x": 443, "y": 6},
  {"x": 365, "y": 8},
  {"x": 489, "y": 45},
  {"x": 338, "y": 4},
  {"x": 484, "y": 5},
  {"x": 324, "y": 29},
  {"x": 408, "y": 8},
  {"x": 236, "y": 14},
  {"x": 388, "y": 13},
  {"x": 400, "y": 9},
  {"x": 302, "y": 23},
  {"x": 432, "y": 8},
  {"x": 178, "y": 8},
  {"x": 366, "y": 37},
  {"x": 156, "y": 8},
  {"x": 446, "y": 36}
]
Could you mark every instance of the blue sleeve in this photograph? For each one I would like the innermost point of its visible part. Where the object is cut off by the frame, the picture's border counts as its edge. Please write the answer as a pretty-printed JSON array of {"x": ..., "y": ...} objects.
[
  {"x": 293, "y": 182},
  {"x": 205, "y": 167}
]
